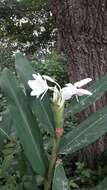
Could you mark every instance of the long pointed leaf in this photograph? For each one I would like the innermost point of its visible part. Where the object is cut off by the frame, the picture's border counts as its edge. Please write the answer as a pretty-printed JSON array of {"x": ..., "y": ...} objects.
[
  {"x": 24, "y": 122},
  {"x": 85, "y": 133},
  {"x": 41, "y": 109},
  {"x": 60, "y": 181}
]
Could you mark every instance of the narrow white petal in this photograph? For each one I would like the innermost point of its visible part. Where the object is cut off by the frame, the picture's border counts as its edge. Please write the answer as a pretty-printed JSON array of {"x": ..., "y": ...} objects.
[
  {"x": 34, "y": 76},
  {"x": 37, "y": 92},
  {"x": 50, "y": 79},
  {"x": 41, "y": 84},
  {"x": 69, "y": 85},
  {"x": 77, "y": 98},
  {"x": 32, "y": 84},
  {"x": 43, "y": 94},
  {"x": 33, "y": 93},
  {"x": 82, "y": 82},
  {"x": 67, "y": 93},
  {"x": 81, "y": 92},
  {"x": 38, "y": 77}
]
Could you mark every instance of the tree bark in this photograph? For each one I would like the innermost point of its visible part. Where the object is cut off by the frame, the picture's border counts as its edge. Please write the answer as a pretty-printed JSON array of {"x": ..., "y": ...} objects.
[{"x": 82, "y": 27}]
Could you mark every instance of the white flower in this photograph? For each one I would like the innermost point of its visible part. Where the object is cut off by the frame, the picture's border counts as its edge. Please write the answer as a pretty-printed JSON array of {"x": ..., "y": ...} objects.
[
  {"x": 69, "y": 90},
  {"x": 39, "y": 85}
]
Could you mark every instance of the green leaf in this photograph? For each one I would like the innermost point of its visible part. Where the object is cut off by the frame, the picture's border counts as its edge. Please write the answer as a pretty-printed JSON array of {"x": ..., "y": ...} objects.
[
  {"x": 5, "y": 125},
  {"x": 60, "y": 181},
  {"x": 41, "y": 108},
  {"x": 24, "y": 69},
  {"x": 98, "y": 89},
  {"x": 24, "y": 122},
  {"x": 85, "y": 133}
]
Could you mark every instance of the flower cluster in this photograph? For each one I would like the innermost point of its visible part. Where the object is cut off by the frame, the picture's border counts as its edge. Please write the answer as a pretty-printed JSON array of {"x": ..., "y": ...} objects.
[{"x": 40, "y": 86}]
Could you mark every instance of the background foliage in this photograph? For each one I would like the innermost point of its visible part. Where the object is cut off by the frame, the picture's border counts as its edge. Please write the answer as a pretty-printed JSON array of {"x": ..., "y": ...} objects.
[
  {"x": 28, "y": 25},
  {"x": 18, "y": 169}
]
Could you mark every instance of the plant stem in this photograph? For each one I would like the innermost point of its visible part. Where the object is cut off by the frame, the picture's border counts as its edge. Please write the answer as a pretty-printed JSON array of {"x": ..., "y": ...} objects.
[{"x": 48, "y": 181}]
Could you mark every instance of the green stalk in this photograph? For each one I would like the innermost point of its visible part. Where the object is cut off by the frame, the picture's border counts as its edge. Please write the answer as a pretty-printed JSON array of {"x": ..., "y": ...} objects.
[
  {"x": 58, "y": 118},
  {"x": 48, "y": 181}
]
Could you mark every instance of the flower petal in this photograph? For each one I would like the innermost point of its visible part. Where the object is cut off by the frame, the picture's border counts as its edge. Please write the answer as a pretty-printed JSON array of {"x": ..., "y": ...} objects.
[
  {"x": 38, "y": 77},
  {"x": 34, "y": 76},
  {"x": 34, "y": 93},
  {"x": 67, "y": 93},
  {"x": 82, "y": 82},
  {"x": 81, "y": 92},
  {"x": 32, "y": 84},
  {"x": 70, "y": 85},
  {"x": 50, "y": 79},
  {"x": 37, "y": 92}
]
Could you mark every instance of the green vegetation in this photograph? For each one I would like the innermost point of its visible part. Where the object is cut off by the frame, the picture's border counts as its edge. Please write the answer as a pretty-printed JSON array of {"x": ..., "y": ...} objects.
[
  {"x": 27, "y": 131},
  {"x": 27, "y": 124}
]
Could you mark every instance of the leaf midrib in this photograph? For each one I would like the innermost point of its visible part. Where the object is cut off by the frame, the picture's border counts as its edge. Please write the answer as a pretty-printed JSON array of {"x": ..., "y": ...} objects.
[
  {"x": 90, "y": 126},
  {"x": 24, "y": 117}
]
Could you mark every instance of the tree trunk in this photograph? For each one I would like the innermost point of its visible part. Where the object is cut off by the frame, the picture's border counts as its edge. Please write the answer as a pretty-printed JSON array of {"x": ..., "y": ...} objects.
[{"x": 82, "y": 27}]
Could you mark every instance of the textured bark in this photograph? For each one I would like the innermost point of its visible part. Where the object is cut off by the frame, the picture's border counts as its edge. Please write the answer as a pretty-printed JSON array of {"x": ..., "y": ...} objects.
[{"x": 82, "y": 27}]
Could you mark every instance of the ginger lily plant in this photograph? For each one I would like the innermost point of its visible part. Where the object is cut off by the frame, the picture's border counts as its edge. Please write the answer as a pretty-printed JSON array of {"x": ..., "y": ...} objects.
[
  {"x": 39, "y": 87},
  {"x": 28, "y": 114}
]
